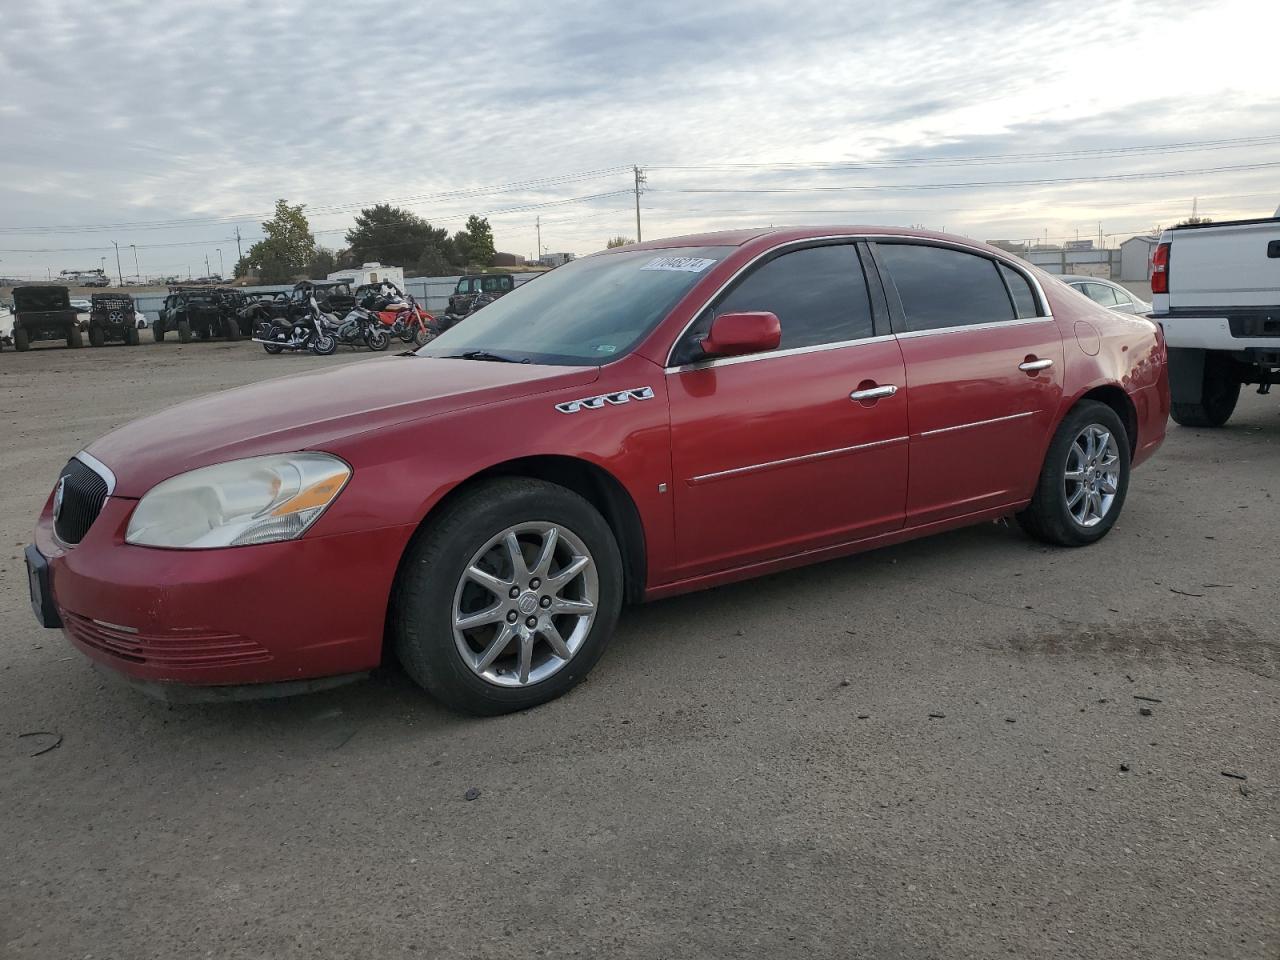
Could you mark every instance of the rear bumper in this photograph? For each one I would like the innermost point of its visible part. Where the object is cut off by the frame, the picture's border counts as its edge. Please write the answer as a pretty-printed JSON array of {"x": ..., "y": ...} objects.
[
  {"x": 272, "y": 613},
  {"x": 1210, "y": 333}
]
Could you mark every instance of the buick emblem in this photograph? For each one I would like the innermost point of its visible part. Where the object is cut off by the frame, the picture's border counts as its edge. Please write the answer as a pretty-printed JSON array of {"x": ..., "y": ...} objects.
[{"x": 58, "y": 493}]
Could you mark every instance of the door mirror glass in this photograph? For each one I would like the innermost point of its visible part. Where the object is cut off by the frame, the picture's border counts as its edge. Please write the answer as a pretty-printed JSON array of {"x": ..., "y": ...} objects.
[{"x": 734, "y": 334}]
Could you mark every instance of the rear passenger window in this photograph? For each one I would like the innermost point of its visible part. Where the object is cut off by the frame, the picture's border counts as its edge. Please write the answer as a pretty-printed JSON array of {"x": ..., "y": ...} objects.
[
  {"x": 1100, "y": 293},
  {"x": 819, "y": 295},
  {"x": 940, "y": 287},
  {"x": 1024, "y": 301}
]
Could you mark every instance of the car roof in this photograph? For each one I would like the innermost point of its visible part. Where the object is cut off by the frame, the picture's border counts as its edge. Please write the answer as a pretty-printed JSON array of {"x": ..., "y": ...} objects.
[
  {"x": 789, "y": 234},
  {"x": 1077, "y": 277}
]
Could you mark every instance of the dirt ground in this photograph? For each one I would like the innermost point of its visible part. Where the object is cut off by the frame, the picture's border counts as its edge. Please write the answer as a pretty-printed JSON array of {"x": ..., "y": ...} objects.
[{"x": 933, "y": 750}]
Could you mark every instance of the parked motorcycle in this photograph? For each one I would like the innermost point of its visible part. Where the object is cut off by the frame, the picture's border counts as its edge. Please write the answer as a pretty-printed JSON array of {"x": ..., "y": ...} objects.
[
  {"x": 398, "y": 311},
  {"x": 315, "y": 331},
  {"x": 362, "y": 326}
]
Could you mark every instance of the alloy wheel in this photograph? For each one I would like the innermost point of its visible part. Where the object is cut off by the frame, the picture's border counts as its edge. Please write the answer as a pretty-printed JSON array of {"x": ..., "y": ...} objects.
[
  {"x": 1092, "y": 477},
  {"x": 525, "y": 604}
]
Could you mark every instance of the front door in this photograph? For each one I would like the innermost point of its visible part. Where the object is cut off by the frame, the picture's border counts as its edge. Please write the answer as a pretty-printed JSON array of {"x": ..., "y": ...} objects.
[
  {"x": 983, "y": 373},
  {"x": 770, "y": 453}
]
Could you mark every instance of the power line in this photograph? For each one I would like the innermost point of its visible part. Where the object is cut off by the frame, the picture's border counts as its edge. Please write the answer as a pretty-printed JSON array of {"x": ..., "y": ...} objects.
[
  {"x": 1045, "y": 181},
  {"x": 321, "y": 210},
  {"x": 1186, "y": 146}
]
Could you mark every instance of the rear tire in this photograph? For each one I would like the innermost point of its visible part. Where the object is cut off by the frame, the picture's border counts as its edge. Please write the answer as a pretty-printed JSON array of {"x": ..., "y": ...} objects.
[
  {"x": 97, "y": 336},
  {"x": 75, "y": 339},
  {"x": 1050, "y": 517},
  {"x": 184, "y": 332},
  {"x": 157, "y": 332},
  {"x": 377, "y": 339},
  {"x": 324, "y": 345},
  {"x": 21, "y": 339},
  {"x": 132, "y": 337},
  {"x": 233, "y": 330},
  {"x": 1219, "y": 393},
  {"x": 431, "y": 582}
]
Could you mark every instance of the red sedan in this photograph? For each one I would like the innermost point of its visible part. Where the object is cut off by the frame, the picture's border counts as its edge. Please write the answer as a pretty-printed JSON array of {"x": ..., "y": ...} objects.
[{"x": 639, "y": 423}]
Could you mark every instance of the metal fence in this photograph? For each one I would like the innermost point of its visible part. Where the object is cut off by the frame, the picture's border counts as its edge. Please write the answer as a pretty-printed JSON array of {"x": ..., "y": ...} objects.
[{"x": 431, "y": 292}]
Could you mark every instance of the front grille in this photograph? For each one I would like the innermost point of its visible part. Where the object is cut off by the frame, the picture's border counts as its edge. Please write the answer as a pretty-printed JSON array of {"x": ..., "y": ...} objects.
[
  {"x": 83, "y": 492},
  {"x": 177, "y": 650}
]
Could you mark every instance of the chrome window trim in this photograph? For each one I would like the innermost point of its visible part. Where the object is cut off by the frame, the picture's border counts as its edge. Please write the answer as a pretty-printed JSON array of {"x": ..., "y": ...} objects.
[
  {"x": 770, "y": 354},
  {"x": 802, "y": 458},
  {"x": 993, "y": 325},
  {"x": 98, "y": 467},
  {"x": 853, "y": 238},
  {"x": 976, "y": 423}
]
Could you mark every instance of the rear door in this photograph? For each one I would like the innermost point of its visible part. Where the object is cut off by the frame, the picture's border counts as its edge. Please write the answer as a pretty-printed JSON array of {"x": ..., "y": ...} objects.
[
  {"x": 984, "y": 377},
  {"x": 770, "y": 453}
]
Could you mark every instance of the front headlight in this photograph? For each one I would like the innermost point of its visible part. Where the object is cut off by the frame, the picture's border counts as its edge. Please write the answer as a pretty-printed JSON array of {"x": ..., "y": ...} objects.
[{"x": 258, "y": 500}]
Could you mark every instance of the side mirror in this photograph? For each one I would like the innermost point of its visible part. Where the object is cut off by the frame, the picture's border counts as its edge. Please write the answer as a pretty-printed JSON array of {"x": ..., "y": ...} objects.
[{"x": 733, "y": 334}]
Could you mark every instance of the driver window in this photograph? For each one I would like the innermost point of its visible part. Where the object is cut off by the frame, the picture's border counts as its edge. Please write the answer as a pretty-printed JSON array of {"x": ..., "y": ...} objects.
[{"x": 819, "y": 295}]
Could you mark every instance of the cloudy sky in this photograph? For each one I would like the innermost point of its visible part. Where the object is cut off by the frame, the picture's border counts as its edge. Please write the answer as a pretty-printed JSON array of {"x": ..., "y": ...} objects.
[{"x": 166, "y": 125}]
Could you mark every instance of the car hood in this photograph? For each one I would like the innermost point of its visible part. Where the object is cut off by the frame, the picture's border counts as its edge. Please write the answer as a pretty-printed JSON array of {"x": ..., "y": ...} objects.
[{"x": 314, "y": 409}]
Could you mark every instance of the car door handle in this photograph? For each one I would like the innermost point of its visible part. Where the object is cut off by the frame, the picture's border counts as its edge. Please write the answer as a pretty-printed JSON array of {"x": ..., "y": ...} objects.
[
  {"x": 1031, "y": 366},
  {"x": 874, "y": 393}
]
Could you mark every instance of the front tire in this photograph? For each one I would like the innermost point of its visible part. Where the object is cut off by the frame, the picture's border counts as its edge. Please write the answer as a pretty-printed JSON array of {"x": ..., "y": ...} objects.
[
  {"x": 75, "y": 339},
  {"x": 21, "y": 339},
  {"x": 1219, "y": 393},
  {"x": 1084, "y": 479},
  {"x": 376, "y": 339},
  {"x": 456, "y": 626},
  {"x": 324, "y": 345},
  {"x": 184, "y": 332},
  {"x": 157, "y": 332}
]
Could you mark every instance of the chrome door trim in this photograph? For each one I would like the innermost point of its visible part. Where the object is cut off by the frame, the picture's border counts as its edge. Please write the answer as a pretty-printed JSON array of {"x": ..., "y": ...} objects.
[
  {"x": 1030, "y": 366},
  {"x": 993, "y": 325},
  {"x": 770, "y": 354},
  {"x": 98, "y": 467},
  {"x": 976, "y": 423},
  {"x": 853, "y": 238},
  {"x": 875, "y": 393},
  {"x": 803, "y": 458}
]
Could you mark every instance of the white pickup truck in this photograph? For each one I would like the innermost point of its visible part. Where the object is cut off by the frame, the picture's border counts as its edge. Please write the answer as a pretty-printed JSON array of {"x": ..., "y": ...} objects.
[{"x": 1216, "y": 292}]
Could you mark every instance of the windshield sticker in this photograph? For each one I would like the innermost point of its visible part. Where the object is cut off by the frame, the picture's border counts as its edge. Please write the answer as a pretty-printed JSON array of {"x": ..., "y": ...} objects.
[
  {"x": 678, "y": 264},
  {"x": 606, "y": 348}
]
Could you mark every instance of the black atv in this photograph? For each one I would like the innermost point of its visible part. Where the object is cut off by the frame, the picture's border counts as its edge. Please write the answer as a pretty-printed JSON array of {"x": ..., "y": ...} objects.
[
  {"x": 44, "y": 313},
  {"x": 196, "y": 312},
  {"x": 111, "y": 317}
]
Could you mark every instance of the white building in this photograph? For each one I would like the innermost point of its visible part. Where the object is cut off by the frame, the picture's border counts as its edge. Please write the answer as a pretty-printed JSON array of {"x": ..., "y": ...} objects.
[{"x": 1135, "y": 258}]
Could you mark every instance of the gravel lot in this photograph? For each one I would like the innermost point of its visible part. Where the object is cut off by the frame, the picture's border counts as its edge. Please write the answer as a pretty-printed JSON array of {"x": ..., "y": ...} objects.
[{"x": 913, "y": 753}]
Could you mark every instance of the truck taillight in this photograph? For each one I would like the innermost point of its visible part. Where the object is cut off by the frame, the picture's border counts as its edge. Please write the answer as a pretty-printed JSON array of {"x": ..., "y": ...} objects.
[{"x": 1160, "y": 269}]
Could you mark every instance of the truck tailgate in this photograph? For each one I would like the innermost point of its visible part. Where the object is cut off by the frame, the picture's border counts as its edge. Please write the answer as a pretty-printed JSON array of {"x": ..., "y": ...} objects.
[{"x": 1223, "y": 266}]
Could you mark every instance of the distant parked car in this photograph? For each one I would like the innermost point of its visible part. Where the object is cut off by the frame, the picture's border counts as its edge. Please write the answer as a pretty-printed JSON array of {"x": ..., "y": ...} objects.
[{"x": 1108, "y": 294}]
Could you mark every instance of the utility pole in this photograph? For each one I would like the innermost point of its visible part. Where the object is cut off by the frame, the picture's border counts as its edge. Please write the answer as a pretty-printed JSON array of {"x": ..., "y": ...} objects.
[
  {"x": 207, "y": 271},
  {"x": 119, "y": 272},
  {"x": 222, "y": 267},
  {"x": 136, "y": 265},
  {"x": 239, "y": 254},
  {"x": 640, "y": 181},
  {"x": 537, "y": 225}
]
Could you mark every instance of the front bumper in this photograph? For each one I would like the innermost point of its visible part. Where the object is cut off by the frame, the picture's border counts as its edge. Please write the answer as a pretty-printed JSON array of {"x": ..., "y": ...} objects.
[{"x": 271, "y": 613}]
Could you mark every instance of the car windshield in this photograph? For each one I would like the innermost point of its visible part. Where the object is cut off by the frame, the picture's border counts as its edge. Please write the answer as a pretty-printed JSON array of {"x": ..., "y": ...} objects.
[{"x": 589, "y": 311}]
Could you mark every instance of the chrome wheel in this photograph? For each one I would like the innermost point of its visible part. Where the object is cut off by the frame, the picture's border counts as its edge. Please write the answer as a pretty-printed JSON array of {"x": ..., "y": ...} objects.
[
  {"x": 525, "y": 604},
  {"x": 1092, "y": 478}
]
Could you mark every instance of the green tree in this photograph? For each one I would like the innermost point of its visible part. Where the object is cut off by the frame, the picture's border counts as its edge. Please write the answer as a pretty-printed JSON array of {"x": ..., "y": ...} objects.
[
  {"x": 475, "y": 243},
  {"x": 323, "y": 263},
  {"x": 392, "y": 235},
  {"x": 618, "y": 242},
  {"x": 434, "y": 261},
  {"x": 287, "y": 250}
]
